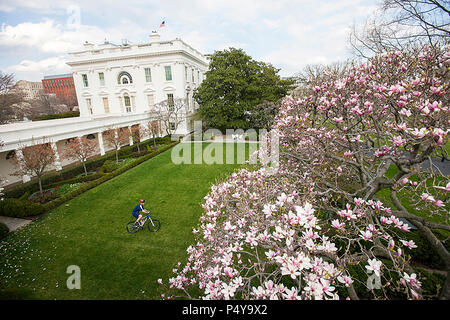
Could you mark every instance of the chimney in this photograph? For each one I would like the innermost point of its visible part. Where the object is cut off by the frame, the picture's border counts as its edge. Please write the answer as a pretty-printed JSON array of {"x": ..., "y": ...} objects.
[{"x": 154, "y": 37}]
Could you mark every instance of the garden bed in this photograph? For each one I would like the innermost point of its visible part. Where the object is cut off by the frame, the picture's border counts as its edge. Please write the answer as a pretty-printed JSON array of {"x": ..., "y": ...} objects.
[{"x": 35, "y": 206}]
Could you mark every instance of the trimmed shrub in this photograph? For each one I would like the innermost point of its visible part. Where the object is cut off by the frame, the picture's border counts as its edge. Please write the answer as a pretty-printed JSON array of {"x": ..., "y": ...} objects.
[
  {"x": 20, "y": 208},
  {"x": 46, "y": 196},
  {"x": 4, "y": 230},
  {"x": 68, "y": 114},
  {"x": 109, "y": 166}
]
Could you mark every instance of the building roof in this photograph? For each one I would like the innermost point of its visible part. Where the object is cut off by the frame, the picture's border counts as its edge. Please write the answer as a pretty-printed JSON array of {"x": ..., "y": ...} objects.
[
  {"x": 57, "y": 76},
  {"x": 92, "y": 53}
]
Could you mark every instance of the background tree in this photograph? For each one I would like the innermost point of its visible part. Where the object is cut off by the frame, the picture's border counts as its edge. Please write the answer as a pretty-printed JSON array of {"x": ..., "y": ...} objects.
[
  {"x": 398, "y": 24},
  {"x": 70, "y": 100},
  {"x": 80, "y": 148},
  {"x": 170, "y": 114},
  {"x": 137, "y": 133},
  {"x": 116, "y": 137},
  {"x": 263, "y": 115},
  {"x": 47, "y": 103},
  {"x": 235, "y": 84},
  {"x": 34, "y": 160},
  {"x": 154, "y": 128},
  {"x": 9, "y": 99}
]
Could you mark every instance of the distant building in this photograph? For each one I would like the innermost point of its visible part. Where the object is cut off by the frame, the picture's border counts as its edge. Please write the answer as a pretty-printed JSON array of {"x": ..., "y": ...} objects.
[
  {"x": 61, "y": 85},
  {"x": 30, "y": 90}
]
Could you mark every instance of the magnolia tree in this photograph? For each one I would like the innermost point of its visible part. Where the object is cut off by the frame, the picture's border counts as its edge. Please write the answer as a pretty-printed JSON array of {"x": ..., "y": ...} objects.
[
  {"x": 80, "y": 148},
  {"x": 316, "y": 228}
]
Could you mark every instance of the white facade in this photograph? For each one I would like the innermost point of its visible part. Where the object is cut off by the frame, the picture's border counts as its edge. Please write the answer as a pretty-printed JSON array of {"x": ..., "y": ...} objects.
[
  {"x": 114, "y": 89},
  {"x": 131, "y": 79}
]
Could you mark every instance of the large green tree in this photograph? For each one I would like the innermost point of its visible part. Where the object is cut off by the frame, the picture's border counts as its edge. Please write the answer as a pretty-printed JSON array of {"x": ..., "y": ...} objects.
[{"x": 235, "y": 84}]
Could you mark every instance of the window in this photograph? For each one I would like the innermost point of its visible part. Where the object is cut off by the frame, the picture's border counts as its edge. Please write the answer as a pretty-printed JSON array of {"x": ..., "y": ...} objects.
[
  {"x": 148, "y": 75},
  {"x": 85, "y": 80},
  {"x": 124, "y": 78},
  {"x": 172, "y": 125},
  {"x": 101, "y": 77},
  {"x": 185, "y": 73},
  {"x": 168, "y": 70},
  {"x": 10, "y": 154},
  {"x": 127, "y": 102},
  {"x": 170, "y": 101},
  {"x": 151, "y": 101},
  {"x": 193, "y": 75},
  {"x": 89, "y": 105},
  {"x": 106, "y": 105}
]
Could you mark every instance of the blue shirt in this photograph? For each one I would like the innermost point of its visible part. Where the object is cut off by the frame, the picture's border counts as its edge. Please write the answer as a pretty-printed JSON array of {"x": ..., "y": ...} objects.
[{"x": 138, "y": 208}]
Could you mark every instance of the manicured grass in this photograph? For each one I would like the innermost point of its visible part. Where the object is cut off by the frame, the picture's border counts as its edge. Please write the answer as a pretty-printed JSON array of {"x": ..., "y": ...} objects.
[
  {"x": 405, "y": 199},
  {"x": 89, "y": 231}
]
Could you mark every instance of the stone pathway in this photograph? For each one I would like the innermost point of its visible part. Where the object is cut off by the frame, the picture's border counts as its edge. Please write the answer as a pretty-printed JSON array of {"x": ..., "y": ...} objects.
[{"x": 14, "y": 223}]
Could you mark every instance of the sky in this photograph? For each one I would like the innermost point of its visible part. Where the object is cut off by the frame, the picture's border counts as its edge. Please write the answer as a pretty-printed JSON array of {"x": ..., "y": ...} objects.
[{"x": 36, "y": 35}]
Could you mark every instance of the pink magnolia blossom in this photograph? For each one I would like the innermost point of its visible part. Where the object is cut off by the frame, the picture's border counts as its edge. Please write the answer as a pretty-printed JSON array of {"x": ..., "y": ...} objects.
[{"x": 374, "y": 265}]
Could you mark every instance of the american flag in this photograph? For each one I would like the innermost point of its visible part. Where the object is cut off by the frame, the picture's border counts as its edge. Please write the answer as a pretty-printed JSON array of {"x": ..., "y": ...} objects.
[{"x": 163, "y": 24}]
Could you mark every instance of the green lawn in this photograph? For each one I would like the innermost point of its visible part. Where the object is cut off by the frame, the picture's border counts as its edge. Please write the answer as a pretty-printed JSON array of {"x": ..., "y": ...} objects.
[{"x": 89, "y": 231}]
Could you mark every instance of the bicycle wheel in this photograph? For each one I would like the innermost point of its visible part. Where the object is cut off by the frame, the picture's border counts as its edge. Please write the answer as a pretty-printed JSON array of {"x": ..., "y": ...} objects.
[
  {"x": 153, "y": 225},
  {"x": 132, "y": 227}
]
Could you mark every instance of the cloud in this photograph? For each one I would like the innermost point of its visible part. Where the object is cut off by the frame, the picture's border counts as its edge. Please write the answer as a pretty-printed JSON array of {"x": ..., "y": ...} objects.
[
  {"x": 48, "y": 36},
  {"x": 286, "y": 33},
  {"x": 53, "y": 64}
]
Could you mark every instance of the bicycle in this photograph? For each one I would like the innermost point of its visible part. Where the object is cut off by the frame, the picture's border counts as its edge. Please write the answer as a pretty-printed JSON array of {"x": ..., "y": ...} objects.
[{"x": 153, "y": 225}]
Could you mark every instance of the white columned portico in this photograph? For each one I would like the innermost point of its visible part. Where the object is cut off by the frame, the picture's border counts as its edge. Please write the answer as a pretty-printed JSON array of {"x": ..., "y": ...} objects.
[
  {"x": 100, "y": 142},
  {"x": 57, "y": 159}
]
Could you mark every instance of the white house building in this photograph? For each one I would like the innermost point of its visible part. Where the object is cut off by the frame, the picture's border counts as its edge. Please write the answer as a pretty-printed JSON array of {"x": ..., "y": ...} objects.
[{"x": 116, "y": 86}]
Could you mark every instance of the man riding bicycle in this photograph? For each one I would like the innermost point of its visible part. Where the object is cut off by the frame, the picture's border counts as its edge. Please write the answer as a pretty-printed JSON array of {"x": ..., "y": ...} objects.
[{"x": 137, "y": 212}]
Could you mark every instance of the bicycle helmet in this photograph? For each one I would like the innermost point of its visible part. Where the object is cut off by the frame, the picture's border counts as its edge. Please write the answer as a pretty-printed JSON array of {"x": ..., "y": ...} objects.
[{"x": 142, "y": 201}]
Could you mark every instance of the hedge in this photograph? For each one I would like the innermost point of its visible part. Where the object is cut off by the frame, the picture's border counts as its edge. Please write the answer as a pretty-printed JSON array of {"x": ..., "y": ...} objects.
[
  {"x": 68, "y": 114},
  {"x": 56, "y": 178},
  {"x": 20, "y": 208},
  {"x": 4, "y": 230},
  {"x": 105, "y": 177}
]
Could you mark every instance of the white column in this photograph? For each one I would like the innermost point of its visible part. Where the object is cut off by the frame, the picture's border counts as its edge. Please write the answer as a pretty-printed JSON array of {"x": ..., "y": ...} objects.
[
  {"x": 100, "y": 143},
  {"x": 116, "y": 135},
  {"x": 25, "y": 177},
  {"x": 57, "y": 159},
  {"x": 131, "y": 136}
]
